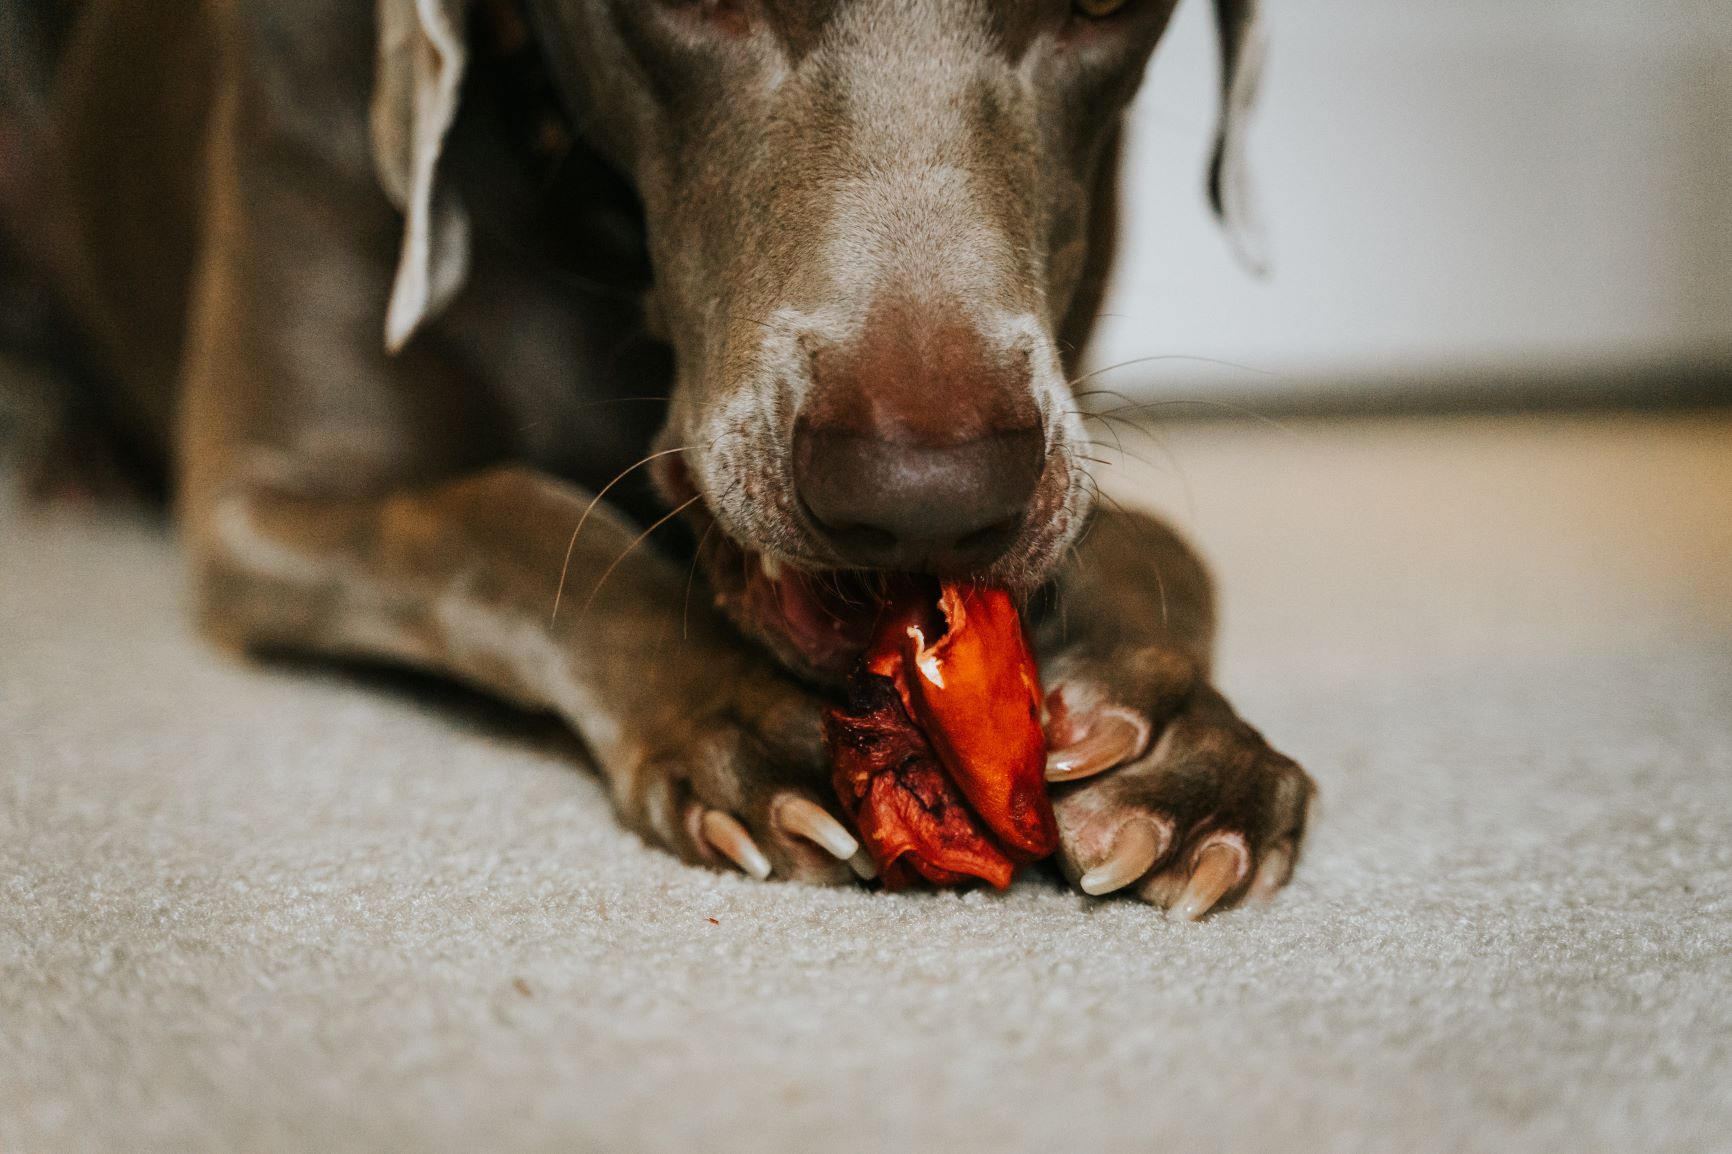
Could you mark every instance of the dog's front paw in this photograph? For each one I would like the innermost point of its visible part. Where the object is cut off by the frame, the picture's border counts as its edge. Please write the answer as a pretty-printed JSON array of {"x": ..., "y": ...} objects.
[
  {"x": 1163, "y": 792},
  {"x": 743, "y": 781}
]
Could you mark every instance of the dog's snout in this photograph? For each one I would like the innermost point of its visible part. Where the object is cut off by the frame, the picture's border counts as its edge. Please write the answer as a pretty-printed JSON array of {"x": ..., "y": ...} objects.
[
  {"x": 920, "y": 445},
  {"x": 911, "y": 506}
]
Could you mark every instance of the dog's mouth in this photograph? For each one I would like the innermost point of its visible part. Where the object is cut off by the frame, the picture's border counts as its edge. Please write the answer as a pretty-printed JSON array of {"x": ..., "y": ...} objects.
[{"x": 816, "y": 620}]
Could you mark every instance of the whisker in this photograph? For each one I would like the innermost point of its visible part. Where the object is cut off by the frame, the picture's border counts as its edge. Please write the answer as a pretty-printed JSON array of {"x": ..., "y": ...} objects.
[
  {"x": 1118, "y": 441},
  {"x": 691, "y": 576},
  {"x": 1176, "y": 469},
  {"x": 833, "y": 581},
  {"x": 571, "y": 545},
  {"x": 1089, "y": 376},
  {"x": 1126, "y": 453},
  {"x": 1227, "y": 406},
  {"x": 850, "y": 598},
  {"x": 1153, "y": 436},
  {"x": 697, "y": 558},
  {"x": 1086, "y": 416},
  {"x": 641, "y": 538}
]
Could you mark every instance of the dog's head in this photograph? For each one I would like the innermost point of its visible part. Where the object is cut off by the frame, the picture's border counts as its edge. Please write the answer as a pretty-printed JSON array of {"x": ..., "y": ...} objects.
[{"x": 870, "y": 221}]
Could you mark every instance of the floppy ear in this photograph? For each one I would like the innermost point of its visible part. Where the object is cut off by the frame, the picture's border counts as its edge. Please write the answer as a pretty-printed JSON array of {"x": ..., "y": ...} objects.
[
  {"x": 1230, "y": 189},
  {"x": 421, "y": 57}
]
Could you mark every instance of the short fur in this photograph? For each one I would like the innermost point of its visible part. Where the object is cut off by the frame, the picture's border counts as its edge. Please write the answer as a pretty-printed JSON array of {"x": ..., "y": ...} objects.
[{"x": 397, "y": 301}]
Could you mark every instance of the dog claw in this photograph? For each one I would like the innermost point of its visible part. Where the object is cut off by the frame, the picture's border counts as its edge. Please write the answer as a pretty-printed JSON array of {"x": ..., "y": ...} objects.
[
  {"x": 1115, "y": 737},
  {"x": 729, "y": 837},
  {"x": 1272, "y": 874},
  {"x": 808, "y": 819},
  {"x": 1219, "y": 868},
  {"x": 1136, "y": 849},
  {"x": 863, "y": 866}
]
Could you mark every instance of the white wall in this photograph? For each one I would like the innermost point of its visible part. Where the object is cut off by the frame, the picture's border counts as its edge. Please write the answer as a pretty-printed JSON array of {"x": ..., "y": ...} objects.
[{"x": 1448, "y": 184}]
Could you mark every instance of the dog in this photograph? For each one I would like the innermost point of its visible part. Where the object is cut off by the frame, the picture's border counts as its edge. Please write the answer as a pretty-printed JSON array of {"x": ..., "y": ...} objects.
[{"x": 412, "y": 300}]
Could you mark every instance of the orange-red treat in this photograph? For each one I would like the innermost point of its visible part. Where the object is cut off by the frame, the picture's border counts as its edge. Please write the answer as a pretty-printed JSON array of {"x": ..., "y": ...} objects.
[{"x": 940, "y": 759}]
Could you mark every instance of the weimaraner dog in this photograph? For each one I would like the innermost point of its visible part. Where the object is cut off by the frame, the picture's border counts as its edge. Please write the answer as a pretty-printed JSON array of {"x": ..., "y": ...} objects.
[{"x": 455, "y": 318}]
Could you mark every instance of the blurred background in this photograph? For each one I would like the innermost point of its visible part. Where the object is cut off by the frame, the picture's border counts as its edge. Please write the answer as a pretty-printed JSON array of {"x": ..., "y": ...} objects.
[{"x": 1473, "y": 199}]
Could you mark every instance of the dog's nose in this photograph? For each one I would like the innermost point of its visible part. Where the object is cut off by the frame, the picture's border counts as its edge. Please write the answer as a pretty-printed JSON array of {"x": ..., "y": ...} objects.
[
  {"x": 898, "y": 505},
  {"x": 919, "y": 445}
]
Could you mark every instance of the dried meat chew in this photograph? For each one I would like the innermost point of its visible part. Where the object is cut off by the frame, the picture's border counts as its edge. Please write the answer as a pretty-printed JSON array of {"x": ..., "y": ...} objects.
[
  {"x": 940, "y": 759},
  {"x": 908, "y": 813}
]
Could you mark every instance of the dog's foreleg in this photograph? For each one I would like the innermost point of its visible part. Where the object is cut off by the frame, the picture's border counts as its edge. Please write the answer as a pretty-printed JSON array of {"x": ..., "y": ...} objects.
[
  {"x": 1161, "y": 790},
  {"x": 458, "y": 577},
  {"x": 708, "y": 748}
]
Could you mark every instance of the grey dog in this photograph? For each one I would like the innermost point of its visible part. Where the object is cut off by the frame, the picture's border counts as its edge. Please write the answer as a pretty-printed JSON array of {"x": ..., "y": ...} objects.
[{"x": 405, "y": 297}]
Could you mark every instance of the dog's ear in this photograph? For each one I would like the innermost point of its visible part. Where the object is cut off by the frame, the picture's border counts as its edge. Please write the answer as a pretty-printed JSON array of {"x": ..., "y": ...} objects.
[
  {"x": 421, "y": 58},
  {"x": 1230, "y": 189}
]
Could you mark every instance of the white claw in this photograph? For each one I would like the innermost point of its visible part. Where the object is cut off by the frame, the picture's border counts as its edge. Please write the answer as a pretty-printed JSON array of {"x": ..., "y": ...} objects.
[
  {"x": 863, "y": 866},
  {"x": 1136, "y": 849},
  {"x": 1277, "y": 867},
  {"x": 1219, "y": 867},
  {"x": 808, "y": 819},
  {"x": 730, "y": 838},
  {"x": 1115, "y": 737}
]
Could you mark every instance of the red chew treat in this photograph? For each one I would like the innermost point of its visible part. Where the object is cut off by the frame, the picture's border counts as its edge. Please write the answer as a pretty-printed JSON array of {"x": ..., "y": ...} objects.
[
  {"x": 909, "y": 814},
  {"x": 940, "y": 758}
]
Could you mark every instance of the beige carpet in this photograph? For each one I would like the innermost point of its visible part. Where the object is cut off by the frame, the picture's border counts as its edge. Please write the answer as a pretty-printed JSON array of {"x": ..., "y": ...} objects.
[{"x": 256, "y": 909}]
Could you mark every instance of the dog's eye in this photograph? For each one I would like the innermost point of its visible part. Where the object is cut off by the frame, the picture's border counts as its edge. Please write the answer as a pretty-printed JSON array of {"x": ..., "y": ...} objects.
[{"x": 1099, "y": 8}]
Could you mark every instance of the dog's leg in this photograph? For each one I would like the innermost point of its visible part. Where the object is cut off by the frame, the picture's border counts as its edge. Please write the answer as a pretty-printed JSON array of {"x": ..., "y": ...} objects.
[
  {"x": 696, "y": 735},
  {"x": 337, "y": 501},
  {"x": 1161, "y": 790}
]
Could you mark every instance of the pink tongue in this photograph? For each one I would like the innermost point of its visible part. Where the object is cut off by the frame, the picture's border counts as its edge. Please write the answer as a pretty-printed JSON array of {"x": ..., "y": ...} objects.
[{"x": 829, "y": 635}]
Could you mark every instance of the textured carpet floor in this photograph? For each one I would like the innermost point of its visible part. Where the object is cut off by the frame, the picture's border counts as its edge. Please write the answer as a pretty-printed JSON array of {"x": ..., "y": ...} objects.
[{"x": 266, "y": 908}]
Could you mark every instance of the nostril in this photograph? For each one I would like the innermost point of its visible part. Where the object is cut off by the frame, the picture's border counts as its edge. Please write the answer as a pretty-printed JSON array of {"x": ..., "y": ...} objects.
[
  {"x": 863, "y": 537},
  {"x": 992, "y": 537}
]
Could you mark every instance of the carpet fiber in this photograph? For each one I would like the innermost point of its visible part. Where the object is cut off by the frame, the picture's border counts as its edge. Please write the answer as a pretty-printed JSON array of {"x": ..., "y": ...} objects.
[{"x": 291, "y": 908}]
